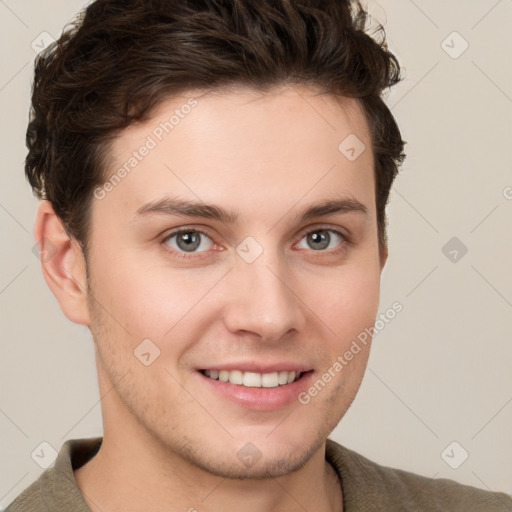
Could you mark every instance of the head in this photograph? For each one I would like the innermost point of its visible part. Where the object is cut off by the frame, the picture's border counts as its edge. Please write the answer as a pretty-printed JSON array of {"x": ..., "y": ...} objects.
[{"x": 262, "y": 110}]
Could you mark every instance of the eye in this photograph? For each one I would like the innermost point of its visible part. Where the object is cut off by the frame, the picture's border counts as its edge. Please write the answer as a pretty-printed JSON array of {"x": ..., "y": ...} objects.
[
  {"x": 321, "y": 238},
  {"x": 187, "y": 241}
]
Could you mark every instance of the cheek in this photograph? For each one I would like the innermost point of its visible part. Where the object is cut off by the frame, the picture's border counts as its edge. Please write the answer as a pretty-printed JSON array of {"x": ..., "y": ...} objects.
[
  {"x": 348, "y": 306},
  {"x": 349, "y": 301},
  {"x": 170, "y": 307},
  {"x": 148, "y": 301}
]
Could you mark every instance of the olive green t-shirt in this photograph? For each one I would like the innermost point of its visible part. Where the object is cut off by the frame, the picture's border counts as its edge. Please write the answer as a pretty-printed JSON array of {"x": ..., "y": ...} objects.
[{"x": 367, "y": 486}]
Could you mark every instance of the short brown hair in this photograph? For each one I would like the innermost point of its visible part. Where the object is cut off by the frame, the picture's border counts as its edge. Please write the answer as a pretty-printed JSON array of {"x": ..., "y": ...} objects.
[{"x": 121, "y": 58}]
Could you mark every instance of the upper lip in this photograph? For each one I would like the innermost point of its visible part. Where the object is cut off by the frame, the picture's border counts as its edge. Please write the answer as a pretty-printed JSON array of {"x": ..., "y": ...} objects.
[{"x": 252, "y": 366}]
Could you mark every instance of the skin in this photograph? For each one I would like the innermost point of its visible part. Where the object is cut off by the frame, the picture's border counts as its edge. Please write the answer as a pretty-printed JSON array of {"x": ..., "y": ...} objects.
[{"x": 170, "y": 442}]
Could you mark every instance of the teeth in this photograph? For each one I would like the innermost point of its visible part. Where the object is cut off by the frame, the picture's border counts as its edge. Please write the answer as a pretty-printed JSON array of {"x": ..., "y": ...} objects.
[
  {"x": 283, "y": 378},
  {"x": 270, "y": 380},
  {"x": 253, "y": 379},
  {"x": 236, "y": 377}
]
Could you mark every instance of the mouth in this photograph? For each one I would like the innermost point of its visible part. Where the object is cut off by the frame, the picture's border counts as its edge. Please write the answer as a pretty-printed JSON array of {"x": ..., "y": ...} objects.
[
  {"x": 254, "y": 379},
  {"x": 269, "y": 389}
]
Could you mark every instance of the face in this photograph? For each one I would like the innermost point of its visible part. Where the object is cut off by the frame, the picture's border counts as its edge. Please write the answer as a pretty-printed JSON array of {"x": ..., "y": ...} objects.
[{"x": 250, "y": 296}]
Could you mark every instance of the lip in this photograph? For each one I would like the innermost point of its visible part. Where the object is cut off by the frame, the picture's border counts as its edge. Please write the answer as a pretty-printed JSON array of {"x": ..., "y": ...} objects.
[
  {"x": 250, "y": 366},
  {"x": 258, "y": 399}
]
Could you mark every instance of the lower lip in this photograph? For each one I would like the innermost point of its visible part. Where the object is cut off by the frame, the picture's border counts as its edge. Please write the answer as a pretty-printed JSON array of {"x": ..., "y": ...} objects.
[{"x": 260, "y": 399}]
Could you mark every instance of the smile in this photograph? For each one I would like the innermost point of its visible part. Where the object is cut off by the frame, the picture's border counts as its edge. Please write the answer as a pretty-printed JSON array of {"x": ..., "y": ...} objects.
[{"x": 254, "y": 379}]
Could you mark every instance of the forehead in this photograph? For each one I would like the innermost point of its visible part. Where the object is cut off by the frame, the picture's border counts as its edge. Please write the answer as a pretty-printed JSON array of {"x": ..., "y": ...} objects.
[{"x": 267, "y": 150}]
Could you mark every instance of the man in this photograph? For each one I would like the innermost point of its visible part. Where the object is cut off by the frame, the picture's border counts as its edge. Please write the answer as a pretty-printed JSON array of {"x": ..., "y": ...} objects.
[{"x": 214, "y": 177}]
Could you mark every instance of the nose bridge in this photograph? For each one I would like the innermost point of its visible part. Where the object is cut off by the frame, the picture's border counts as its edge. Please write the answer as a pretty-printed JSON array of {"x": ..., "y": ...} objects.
[{"x": 263, "y": 301}]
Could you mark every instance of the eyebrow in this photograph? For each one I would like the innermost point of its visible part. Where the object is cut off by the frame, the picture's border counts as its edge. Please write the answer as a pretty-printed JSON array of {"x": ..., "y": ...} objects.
[{"x": 173, "y": 206}]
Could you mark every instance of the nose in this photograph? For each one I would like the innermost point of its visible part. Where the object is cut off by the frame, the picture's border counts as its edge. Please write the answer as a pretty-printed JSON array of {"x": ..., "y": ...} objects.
[{"x": 262, "y": 301}]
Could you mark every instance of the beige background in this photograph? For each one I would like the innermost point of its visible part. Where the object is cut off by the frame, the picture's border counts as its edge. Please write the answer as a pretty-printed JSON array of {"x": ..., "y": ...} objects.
[{"x": 438, "y": 373}]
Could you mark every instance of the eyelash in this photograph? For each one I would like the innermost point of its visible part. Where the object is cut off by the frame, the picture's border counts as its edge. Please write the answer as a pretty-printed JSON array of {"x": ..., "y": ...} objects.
[{"x": 346, "y": 240}]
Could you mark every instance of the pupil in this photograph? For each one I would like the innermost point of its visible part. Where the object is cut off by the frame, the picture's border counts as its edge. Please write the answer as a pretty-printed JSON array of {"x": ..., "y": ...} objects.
[
  {"x": 318, "y": 239},
  {"x": 189, "y": 239}
]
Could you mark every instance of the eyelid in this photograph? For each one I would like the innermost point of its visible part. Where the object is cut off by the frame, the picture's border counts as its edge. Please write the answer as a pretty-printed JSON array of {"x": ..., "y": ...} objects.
[{"x": 328, "y": 227}]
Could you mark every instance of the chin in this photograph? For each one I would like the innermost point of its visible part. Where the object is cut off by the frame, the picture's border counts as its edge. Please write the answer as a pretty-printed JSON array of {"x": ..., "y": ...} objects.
[
  {"x": 255, "y": 465},
  {"x": 241, "y": 459}
]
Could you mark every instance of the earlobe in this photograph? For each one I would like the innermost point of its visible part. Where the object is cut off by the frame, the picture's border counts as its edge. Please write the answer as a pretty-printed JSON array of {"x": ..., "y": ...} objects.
[{"x": 62, "y": 263}]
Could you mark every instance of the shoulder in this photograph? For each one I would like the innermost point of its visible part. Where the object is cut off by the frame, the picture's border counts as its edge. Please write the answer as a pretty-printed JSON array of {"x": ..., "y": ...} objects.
[
  {"x": 376, "y": 487},
  {"x": 29, "y": 499},
  {"x": 56, "y": 487}
]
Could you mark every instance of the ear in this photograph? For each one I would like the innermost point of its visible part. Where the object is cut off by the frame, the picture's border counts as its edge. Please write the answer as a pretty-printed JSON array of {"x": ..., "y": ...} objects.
[{"x": 62, "y": 263}]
